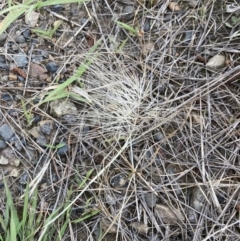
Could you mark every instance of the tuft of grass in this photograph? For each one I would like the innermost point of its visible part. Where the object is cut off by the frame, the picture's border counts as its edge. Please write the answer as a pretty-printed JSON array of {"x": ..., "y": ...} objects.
[
  {"x": 15, "y": 11},
  {"x": 61, "y": 91},
  {"x": 47, "y": 33},
  {"x": 20, "y": 225},
  {"x": 28, "y": 224}
]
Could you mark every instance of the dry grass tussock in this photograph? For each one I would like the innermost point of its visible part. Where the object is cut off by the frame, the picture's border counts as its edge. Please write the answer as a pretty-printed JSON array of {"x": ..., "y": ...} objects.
[{"x": 156, "y": 122}]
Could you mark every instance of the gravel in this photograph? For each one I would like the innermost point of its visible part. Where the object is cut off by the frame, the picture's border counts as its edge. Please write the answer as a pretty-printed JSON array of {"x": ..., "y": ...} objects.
[
  {"x": 20, "y": 59},
  {"x": 6, "y": 132},
  {"x": 52, "y": 67}
]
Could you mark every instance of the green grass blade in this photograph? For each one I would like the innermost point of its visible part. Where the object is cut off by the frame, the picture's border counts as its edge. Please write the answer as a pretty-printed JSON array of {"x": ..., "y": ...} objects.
[
  {"x": 59, "y": 92},
  {"x": 53, "y": 2},
  {"x": 86, "y": 178}
]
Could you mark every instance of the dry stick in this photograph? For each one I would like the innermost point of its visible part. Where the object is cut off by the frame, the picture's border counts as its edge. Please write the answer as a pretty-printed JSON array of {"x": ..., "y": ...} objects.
[
  {"x": 29, "y": 64},
  {"x": 80, "y": 29},
  {"x": 86, "y": 187}
]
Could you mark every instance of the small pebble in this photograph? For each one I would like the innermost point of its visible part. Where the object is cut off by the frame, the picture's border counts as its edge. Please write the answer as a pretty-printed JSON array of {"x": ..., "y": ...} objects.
[
  {"x": 23, "y": 178},
  {"x": 3, "y": 65},
  {"x": 128, "y": 13},
  {"x": 151, "y": 199},
  {"x": 20, "y": 39},
  {"x": 62, "y": 107},
  {"x": 6, "y": 132},
  {"x": 158, "y": 136},
  {"x": 146, "y": 26},
  {"x": 26, "y": 33},
  {"x": 31, "y": 18},
  {"x": 45, "y": 54},
  {"x": 6, "y": 97},
  {"x": 3, "y": 37},
  {"x": 20, "y": 78},
  {"x": 12, "y": 77},
  {"x": 52, "y": 67},
  {"x": 188, "y": 36},
  {"x": 215, "y": 63},
  {"x": 63, "y": 150},
  {"x": 37, "y": 118},
  {"x": 20, "y": 59},
  {"x": 46, "y": 126},
  {"x": 2, "y": 144},
  {"x": 41, "y": 140},
  {"x": 57, "y": 8},
  {"x": 174, "y": 7},
  {"x": 118, "y": 181},
  {"x": 14, "y": 173},
  {"x": 3, "y": 160}
]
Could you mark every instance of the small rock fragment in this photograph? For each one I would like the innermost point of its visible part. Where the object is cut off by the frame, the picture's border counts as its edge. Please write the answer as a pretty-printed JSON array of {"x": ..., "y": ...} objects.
[
  {"x": 46, "y": 126},
  {"x": 169, "y": 215},
  {"x": 2, "y": 144},
  {"x": 118, "y": 181},
  {"x": 31, "y": 18},
  {"x": 34, "y": 132},
  {"x": 188, "y": 36},
  {"x": 62, "y": 107},
  {"x": 215, "y": 63},
  {"x": 52, "y": 67},
  {"x": 23, "y": 178},
  {"x": 139, "y": 227},
  {"x": 12, "y": 77},
  {"x": 158, "y": 136},
  {"x": 198, "y": 198},
  {"x": 6, "y": 132},
  {"x": 174, "y": 7},
  {"x": 193, "y": 3},
  {"x": 14, "y": 172},
  {"x": 26, "y": 33},
  {"x": 196, "y": 202},
  {"x": 3, "y": 160},
  {"x": 110, "y": 200},
  {"x": 63, "y": 150},
  {"x": 57, "y": 8},
  {"x": 107, "y": 225},
  {"x": 37, "y": 71},
  {"x": 151, "y": 199},
  {"x": 20, "y": 59},
  {"x": 3, "y": 37},
  {"x": 128, "y": 13},
  {"x": 41, "y": 140},
  {"x": 174, "y": 171},
  {"x": 16, "y": 162},
  {"x": 20, "y": 39}
]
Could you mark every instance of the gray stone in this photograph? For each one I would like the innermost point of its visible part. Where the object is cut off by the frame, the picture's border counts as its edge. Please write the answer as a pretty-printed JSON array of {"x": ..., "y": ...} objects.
[
  {"x": 215, "y": 63},
  {"x": 6, "y": 132},
  {"x": 118, "y": 180},
  {"x": 23, "y": 178},
  {"x": 52, "y": 67},
  {"x": 2, "y": 144},
  {"x": 20, "y": 59},
  {"x": 128, "y": 13},
  {"x": 151, "y": 199},
  {"x": 158, "y": 136},
  {"x": 46, "y": 126},
  {"x": 3, "y": 37},
  {"x": 41, "y": 141},
  {"x": 188, "y": 36},
  {"x": 20, "y": 39},
  {"x": 3, "y": 160},
  {"x": 63, "y": 150},
  {"x": 62, "y": 107}
]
